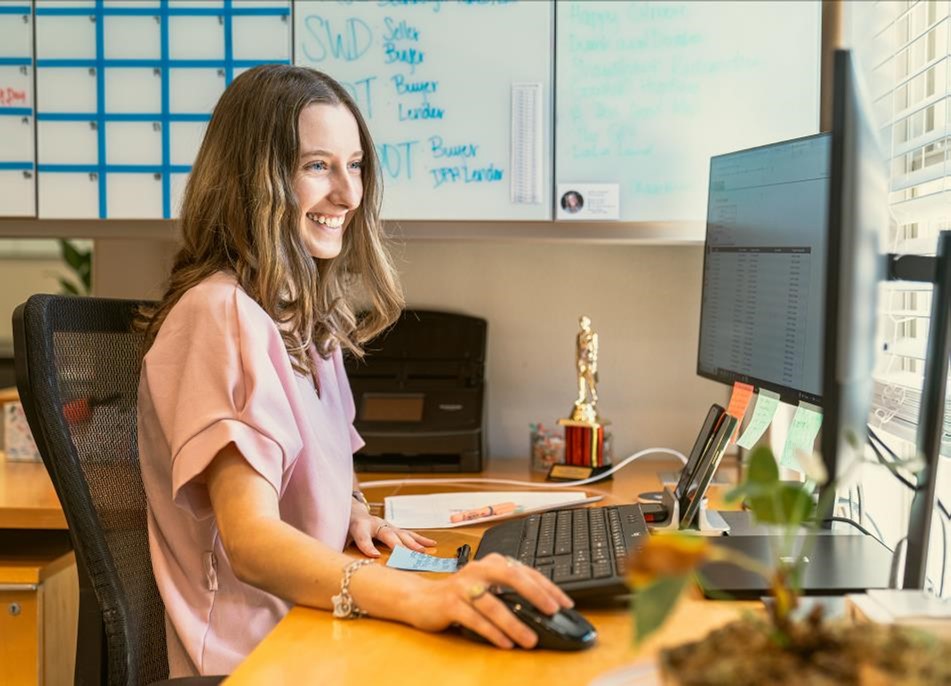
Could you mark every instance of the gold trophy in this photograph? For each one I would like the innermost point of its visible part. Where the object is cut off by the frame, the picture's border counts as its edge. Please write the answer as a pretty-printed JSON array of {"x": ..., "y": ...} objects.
[{"x": 584, "y": 428}]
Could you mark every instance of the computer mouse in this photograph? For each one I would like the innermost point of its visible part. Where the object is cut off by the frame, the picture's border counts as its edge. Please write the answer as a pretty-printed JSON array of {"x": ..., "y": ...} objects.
[{"x": 567, "y": 629}]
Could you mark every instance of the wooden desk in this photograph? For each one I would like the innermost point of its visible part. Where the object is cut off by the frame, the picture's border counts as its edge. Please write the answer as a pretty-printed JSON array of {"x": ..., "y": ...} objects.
[
  {"x": 309, "y": 646},
  {"x": 27, "y": 498},
  {"x": 39, "y": 589}
]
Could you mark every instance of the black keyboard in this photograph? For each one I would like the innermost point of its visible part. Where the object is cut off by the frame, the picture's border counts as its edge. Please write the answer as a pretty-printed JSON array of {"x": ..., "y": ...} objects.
[{"x": 584, "y": 551}]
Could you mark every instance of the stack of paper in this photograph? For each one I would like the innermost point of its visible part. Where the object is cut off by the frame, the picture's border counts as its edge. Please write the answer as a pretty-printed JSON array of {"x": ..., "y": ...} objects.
[
  {"x": 908, "y": 607},
  {"x": 433, "y": 511}
]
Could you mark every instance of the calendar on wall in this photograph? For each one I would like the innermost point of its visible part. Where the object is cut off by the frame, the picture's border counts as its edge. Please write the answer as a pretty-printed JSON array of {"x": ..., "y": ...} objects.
[
  {"x": 124, "y": 90},
  {"x": 17, "y": 164}
]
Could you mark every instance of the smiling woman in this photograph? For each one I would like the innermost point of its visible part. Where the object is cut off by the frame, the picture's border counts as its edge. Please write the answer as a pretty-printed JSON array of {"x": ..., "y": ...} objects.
[
  {"x": 246, "y": 434},
  {"x": 329, "y": 182}
]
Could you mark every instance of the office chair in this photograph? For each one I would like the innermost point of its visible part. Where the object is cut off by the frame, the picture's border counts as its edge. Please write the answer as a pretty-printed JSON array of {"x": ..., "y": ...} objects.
[{"x": 77, "y": 369}]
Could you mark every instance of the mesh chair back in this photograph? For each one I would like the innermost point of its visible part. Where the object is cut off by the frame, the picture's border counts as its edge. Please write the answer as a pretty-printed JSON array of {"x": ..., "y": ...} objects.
[{"x": 78, "y": 363}]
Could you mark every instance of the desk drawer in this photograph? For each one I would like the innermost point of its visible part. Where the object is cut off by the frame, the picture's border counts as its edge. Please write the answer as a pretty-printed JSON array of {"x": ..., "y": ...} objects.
[
  {"x": 19, "y": 629},
  {"x": 39, "y": 607}
]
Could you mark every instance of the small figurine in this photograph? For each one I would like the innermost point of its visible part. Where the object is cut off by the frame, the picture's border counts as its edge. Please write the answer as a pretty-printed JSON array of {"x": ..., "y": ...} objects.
[{"x": 585, "y": 408}]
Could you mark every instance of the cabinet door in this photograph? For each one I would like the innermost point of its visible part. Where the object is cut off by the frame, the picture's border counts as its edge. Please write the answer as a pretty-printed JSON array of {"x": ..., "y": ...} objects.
[{"x": 19, "y": 647}]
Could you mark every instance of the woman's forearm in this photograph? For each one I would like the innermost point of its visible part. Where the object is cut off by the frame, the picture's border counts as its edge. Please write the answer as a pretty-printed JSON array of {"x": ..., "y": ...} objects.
[
  {"x": 272, "y": 555},
  {"x": 277, "y": 558}
]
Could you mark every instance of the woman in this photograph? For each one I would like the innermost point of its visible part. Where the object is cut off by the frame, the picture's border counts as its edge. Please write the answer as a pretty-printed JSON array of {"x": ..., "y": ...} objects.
[{"x": 245, "y": 413}]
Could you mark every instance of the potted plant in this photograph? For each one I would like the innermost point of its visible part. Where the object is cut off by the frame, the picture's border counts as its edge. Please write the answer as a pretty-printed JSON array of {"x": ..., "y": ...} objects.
[
  {"x": 781, "y": 646},
  {"x": 79, "y": 263}
]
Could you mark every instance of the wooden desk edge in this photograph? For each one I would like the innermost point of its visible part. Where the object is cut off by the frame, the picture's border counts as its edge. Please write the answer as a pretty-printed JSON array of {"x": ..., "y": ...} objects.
[{"x": 33, "y": 518}]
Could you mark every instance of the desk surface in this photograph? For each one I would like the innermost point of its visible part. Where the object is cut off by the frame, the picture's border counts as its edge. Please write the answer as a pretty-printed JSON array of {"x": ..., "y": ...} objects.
[
  {"x": 309, "y": 646},
  {"x": 27, "y": 498}
]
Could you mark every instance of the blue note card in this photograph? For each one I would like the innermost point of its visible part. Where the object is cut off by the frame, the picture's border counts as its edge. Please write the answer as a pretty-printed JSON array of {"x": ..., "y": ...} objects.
[{"x": 404, "y": 558}]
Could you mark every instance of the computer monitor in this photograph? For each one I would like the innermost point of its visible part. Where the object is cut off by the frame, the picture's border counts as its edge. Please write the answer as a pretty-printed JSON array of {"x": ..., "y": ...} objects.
[
  {"x": 763, "y": 268},
  {"x": 858, "y": 216}
]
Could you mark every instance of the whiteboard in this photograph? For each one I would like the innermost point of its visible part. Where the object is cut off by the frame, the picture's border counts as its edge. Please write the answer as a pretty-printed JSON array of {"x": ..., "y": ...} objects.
[
  {"x": 17, "y": 163},
  {"x": 647, "y": 92},
  {"x": 457, "y": 96},
  {"x": 125, "y": 89}
]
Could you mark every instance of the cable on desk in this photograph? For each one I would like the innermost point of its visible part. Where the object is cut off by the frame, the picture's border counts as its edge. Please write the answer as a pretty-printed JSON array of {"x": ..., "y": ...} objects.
[
  {"x": 896, "y": 556},
  {"x": 861, "y": 506},
  {"x": 871, "y": 520},
  {"x": 944, "y": 556},
  {"x": 883, "y": 461},
  {"x": 894, "y": 470},
  {"x": 530, "y": 484},
  {"x": 846, "y": 520}
]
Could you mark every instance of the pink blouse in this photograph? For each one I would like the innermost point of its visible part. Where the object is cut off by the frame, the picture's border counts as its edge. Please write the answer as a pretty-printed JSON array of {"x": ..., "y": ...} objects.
[{"x": 218, "y": 373}]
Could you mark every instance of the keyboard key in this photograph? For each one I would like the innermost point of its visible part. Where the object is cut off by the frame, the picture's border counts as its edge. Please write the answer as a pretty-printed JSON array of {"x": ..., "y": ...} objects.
[{"x": 582, "y": 571}]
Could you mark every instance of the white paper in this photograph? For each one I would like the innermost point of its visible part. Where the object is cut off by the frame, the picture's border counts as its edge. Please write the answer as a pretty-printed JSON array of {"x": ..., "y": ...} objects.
[
  {"x": 433, "y": 511},
  {"x": 527, "y": 144}
]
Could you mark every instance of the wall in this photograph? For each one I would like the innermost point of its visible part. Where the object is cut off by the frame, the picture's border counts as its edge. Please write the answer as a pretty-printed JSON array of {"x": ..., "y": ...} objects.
[
  {"x": 19, "y": 279},
  {"x": 643, "y": 301}
]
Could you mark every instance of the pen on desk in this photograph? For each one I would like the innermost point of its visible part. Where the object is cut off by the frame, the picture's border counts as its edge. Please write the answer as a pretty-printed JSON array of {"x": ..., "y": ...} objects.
[
  {"x": 487, "y": 511},
  {"x": 462, "y": 556}
]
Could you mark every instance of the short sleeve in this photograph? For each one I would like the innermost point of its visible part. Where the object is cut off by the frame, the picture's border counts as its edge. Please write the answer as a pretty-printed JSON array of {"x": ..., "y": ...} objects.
[
  {"x": 346, "y": 396},
  {"x": 218, "y": 373}
]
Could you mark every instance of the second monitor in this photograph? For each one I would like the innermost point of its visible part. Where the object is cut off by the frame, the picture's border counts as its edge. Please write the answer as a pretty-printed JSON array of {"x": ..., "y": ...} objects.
[{"x": 763, "y": 269}]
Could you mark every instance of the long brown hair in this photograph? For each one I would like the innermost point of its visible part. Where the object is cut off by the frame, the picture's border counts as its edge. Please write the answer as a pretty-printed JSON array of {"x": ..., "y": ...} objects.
[{"x": 240, "y": 216}]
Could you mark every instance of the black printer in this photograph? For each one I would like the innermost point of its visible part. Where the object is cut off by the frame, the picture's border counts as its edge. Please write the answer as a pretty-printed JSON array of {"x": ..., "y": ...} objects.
[{"x": 419, "y": 395}]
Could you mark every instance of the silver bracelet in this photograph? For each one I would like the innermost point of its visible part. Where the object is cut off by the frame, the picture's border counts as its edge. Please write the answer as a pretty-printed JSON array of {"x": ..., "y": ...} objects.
[
  {"x": 344, "y": 607},
  {"x": 362, "y": 499}
]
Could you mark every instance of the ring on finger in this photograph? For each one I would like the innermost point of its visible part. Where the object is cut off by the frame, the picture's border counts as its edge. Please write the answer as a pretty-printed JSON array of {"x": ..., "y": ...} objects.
[
  {"x": 383, "y": 525},
  {"x": 512, "y": 562},
  {"x": 476, "y": 591}
]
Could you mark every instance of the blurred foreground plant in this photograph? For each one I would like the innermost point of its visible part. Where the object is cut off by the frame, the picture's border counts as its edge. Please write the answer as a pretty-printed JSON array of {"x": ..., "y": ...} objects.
[
  {"x": 662, "y": 568},
  {"x": 778, "y": 649}
]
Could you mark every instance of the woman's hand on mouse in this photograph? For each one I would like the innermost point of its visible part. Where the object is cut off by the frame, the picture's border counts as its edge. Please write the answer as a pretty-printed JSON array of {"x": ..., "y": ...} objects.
[{"x": 465, "y": 598}]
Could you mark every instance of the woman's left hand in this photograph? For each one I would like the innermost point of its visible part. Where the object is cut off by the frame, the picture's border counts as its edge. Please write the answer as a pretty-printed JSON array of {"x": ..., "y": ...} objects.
[{"x": 364, "y": 528}]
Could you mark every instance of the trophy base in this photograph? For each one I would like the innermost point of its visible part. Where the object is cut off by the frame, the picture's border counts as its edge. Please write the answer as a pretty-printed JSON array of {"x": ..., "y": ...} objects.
[
  {"x": 584, "y": 443},
  {"x": 567, "y": 472}
]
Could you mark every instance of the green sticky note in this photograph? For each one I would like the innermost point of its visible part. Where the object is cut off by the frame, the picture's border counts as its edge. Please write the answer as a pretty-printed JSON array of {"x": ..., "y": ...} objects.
[
  {"x": 766, "y": 404},
  {"x": 802, "y": 434}
]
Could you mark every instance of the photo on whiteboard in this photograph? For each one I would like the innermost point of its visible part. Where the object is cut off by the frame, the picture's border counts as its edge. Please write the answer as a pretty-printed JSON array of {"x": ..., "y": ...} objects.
[
  {"x": 572, "y": 202},
  {"x": 588, "y": 201}
]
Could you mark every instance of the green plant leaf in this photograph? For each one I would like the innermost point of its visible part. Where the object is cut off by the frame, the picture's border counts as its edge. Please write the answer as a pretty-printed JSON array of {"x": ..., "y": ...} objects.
[
  {"x": 786, "y": 504},
  {"x": 80, "y": 263},
  {"x": 797, "y": 504},
  {"x": 73, "y": 257},
  {"x": 68, "y": 287},
  {"x": 736, "y": 493},
  {"x": 652, "y": 604},
  {"x": 748, "y": 490},
  {"x": 762, "y": 467}
]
